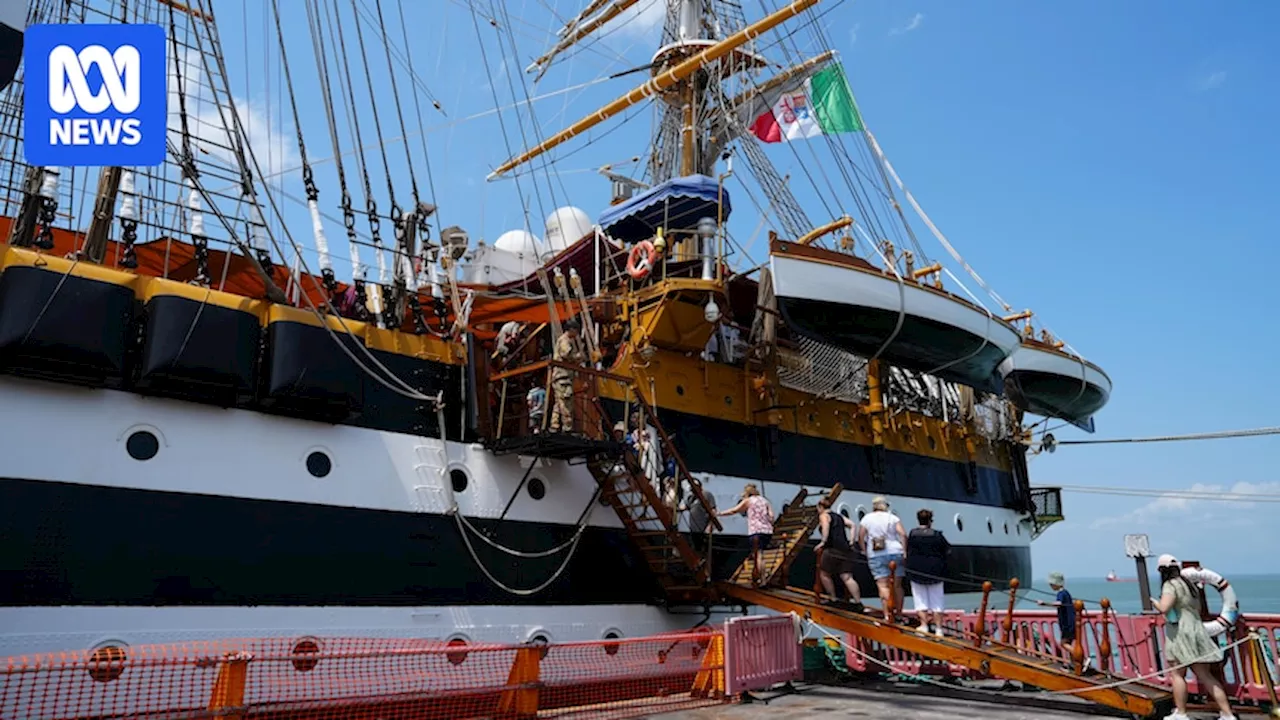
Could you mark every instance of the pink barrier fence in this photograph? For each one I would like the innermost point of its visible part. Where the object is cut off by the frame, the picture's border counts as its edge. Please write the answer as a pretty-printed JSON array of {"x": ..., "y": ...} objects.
[
  {"x": 1137, "y": 648},
  {"x": 761, "y": 651}
]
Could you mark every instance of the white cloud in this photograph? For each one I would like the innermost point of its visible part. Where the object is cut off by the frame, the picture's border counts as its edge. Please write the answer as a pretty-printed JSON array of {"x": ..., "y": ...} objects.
[
  {"x": 853, "y": 33},
  {"x": 1211, "y": 81},
  {"x": 642, "y": 20},
  {"x": 913, "y": 24},
  {"x": 1176, "y": 505},
  {"x": 208, "y": 126}
]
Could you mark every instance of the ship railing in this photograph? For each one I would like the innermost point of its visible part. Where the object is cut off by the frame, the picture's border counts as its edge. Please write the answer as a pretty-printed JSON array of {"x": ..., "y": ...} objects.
[
  {"x": 526, "y": 401},
  {"x": 522, "y": 415}
]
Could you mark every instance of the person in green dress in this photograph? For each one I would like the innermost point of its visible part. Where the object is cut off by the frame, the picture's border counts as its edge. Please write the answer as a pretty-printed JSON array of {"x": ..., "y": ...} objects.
[{"x": 1187, "y": 642}]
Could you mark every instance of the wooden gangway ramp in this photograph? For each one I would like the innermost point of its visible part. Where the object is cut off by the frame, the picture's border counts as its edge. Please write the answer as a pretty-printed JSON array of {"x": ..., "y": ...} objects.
[{"x": 991, "y": 658}]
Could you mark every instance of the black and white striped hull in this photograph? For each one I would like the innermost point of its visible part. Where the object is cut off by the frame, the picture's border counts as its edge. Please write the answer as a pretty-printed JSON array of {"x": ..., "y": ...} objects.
[{"x": 225, "y": 532}]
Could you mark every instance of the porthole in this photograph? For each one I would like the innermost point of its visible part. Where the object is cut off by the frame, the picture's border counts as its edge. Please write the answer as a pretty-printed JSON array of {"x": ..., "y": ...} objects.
[
  {"x": 844, "y": 512},
  {"x": 458, "y": 478},
  {"x": 319, "y": 464},
  {"x": 537, "y": 488},
  {"x": 991, "y": 529},
  {"x": 1006, "y": 528},
  {"x": 933, "y": 444},
  {"x": 680, "y": 390},
  {"x": 1018, "y": 528},
  {"x": 959, "y": 523},
  {"x": 543, "y": 642},
  {"x": 862, "y": 427},
  {"x": 304, "y": 652},
  {"x": 612, "y": 648},
  {"x": 728, "y": 400},
  {"x": 812, "y": 418},
  {"x": 142, "y": 445},
  {"x": 862, "y": 512},
  {"x": 456, "y": 657},
  {"x": 106, "y": 663}
]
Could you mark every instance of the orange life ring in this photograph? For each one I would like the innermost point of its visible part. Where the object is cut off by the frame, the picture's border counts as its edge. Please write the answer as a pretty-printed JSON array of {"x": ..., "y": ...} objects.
[{"x": 641, "y": 260}]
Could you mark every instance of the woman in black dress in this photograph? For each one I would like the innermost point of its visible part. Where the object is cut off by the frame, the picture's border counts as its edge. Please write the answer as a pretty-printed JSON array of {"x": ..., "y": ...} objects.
[{"x": 837, "y": 553}]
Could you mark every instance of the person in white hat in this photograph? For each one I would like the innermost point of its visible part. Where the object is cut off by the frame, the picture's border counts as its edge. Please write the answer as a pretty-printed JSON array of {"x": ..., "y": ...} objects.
[
  {"x": 884, "y": 538},
  {"x": 1188, "y": 643}
]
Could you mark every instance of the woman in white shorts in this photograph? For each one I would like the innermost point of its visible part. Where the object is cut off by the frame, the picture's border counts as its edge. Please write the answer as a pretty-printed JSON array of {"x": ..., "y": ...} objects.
[{"x": 927, "y": 552}]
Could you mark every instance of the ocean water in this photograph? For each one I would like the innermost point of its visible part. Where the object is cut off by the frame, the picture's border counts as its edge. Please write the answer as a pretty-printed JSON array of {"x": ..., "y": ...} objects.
[{"x": 1256, "y": 593}]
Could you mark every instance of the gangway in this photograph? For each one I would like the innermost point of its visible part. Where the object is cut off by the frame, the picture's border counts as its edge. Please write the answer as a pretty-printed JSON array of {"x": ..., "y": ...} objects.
[{"x": 990, "y": 658}]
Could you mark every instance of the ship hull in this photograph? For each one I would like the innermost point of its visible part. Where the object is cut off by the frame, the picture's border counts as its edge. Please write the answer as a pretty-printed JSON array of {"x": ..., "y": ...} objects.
[{"x": 224, "y": 532}]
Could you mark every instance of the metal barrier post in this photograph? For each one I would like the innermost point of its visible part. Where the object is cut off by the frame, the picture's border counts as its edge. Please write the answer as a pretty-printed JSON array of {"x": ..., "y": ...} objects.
[
  {"x": 1104, "y": 643},
  {"x": 980, "y": 627},
  {"x": 1008, "y": 624},
  {"x": 1260, "y": 662},
  {"x": 227, "y": 698},
  {"x": 1077, "y": 647},
  {"x": 520, "y": 698}
]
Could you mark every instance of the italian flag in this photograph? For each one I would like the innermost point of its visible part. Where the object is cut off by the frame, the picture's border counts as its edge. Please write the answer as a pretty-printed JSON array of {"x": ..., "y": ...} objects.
[{"x": 823, "y": 106}]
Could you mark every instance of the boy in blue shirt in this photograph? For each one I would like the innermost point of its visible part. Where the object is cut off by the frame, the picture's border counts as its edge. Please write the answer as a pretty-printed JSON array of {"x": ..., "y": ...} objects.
[{"x": 1066, "y": 610}]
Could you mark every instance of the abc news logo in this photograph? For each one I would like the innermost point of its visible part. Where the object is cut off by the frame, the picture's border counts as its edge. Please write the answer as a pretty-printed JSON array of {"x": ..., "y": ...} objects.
[
  {"x": 105, "y": 99},
  {"x": 69, "y": 90}
]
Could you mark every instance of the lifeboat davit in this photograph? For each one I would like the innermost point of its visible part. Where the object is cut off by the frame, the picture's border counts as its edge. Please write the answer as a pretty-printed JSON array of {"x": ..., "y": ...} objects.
[
  {"x": 1048, "y": 381},
  {"x": 845, "y": 301}
]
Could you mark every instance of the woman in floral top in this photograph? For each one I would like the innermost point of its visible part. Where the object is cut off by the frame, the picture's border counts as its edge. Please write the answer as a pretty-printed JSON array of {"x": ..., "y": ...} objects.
[{"x": 759, "y": 524}]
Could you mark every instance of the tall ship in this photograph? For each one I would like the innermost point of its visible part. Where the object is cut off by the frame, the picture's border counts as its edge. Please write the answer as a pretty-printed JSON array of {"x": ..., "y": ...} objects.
[{"x": 217, "y": 425}]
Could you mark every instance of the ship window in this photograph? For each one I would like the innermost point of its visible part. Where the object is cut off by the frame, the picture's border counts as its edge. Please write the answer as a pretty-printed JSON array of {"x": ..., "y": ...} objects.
[
  {"x": 458, "y": 478},
  {"x": 1018, "y": 528},
  {"x": 456, "y": 657},
  {"x": 304, "y": 652},
  {"x": 844, "y": 511},
  {"x": 1006, "y": 528},
  {"x": 862, "y": 512},
  {"x": 319, "y": 464},
  {"x": 107, "y": 663},
  {"x": 680, "y": 390},
  {"x": 542, "y": 642},
  {"x": 142, "y": 445},
  {"x": 959, "y": 523},
  {"x": 933, "y": 444},
  {"x": 537, "y": 488},
  {"x": 991, "y": 530},
  {"x": 728, "y": 400},
  {"x": 612, "y": 648}
]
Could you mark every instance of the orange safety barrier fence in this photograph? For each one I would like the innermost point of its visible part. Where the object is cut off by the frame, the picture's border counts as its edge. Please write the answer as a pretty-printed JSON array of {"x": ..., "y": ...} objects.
[{"x": 368, "y": 679}]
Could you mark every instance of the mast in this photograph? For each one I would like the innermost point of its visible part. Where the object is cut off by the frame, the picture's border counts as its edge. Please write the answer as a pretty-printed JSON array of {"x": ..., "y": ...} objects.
[{"x": 666, "y": 79}]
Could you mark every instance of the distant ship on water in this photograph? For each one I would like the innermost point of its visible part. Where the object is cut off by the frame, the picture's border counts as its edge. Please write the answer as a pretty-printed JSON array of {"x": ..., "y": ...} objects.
[{"x": 1112, "y": 577}]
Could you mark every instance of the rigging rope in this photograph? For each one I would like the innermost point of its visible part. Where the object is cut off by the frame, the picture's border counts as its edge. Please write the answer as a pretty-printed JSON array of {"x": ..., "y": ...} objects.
[
  {"x": 348, "y": 214},
  {"x": 1256, "y": 432},
  {"x": 347, "y": 89}
]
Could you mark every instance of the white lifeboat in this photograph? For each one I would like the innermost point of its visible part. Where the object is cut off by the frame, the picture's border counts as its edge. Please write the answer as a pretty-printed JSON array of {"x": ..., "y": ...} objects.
[
  {"x": 1045, "y": 380},
  {"x": 845, "y": 301}
]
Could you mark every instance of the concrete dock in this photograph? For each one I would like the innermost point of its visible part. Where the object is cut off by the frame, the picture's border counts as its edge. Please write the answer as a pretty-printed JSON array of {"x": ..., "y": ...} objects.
[{"x": 897, "y": 701}]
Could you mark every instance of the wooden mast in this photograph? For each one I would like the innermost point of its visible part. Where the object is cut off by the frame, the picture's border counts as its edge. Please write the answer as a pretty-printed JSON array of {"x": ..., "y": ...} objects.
[{"x": 661, "y": 82}]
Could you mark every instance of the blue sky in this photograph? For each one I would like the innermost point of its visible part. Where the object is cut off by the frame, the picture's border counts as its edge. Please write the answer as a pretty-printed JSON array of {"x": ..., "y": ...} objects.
[{"x": 1112, "y": 166}]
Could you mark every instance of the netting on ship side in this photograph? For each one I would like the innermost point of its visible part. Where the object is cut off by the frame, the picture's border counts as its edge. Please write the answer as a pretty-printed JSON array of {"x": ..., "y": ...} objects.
[
  {"x": 390, "y": 679},
  {"x": 825, "y": 371}
]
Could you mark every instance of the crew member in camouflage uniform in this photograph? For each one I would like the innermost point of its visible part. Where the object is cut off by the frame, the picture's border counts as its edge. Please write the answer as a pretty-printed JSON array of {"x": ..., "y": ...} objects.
[{"x": 569, "y": 352}]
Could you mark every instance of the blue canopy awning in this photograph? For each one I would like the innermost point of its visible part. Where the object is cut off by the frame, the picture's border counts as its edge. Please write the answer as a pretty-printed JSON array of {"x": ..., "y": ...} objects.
[{"x": 675, "y": 204}]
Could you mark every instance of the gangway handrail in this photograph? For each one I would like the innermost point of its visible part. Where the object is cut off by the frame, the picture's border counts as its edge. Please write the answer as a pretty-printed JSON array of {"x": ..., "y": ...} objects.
[{"x": 996, "y": 659}]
